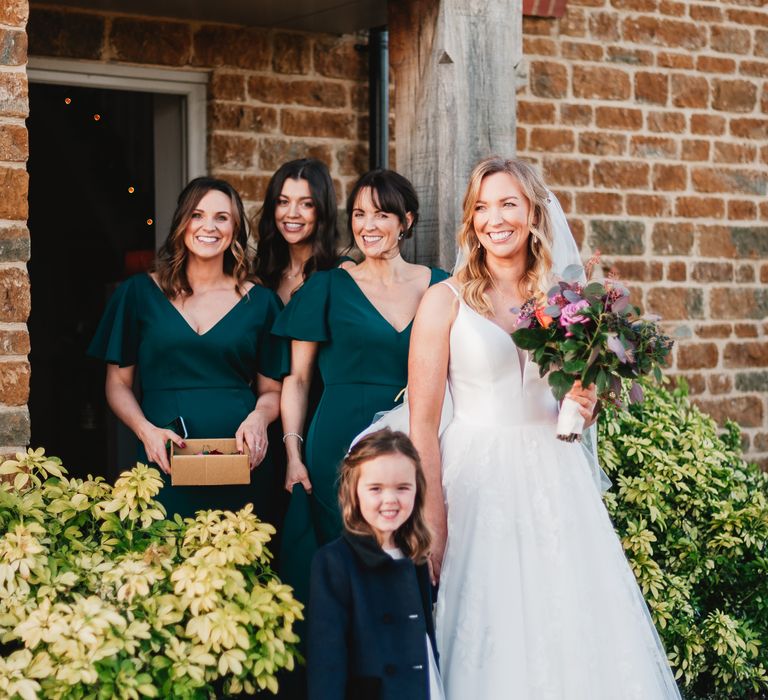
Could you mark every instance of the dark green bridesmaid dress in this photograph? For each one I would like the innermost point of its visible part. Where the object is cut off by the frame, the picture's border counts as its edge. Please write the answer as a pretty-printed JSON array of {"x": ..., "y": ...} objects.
[
  {"x": 363, "y": 363},
  {"x": 208, "y": 379}
]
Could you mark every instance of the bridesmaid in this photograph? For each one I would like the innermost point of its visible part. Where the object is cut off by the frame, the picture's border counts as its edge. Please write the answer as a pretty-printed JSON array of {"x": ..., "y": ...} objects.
[
  {"x": 296, "y": 231},
  {"x": 355, "y": 325},
  {"x": 197, "y": 329}
]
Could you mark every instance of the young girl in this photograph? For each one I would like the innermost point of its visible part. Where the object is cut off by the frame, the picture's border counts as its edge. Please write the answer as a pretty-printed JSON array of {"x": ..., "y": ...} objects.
[{"x": 371, "y": 633}]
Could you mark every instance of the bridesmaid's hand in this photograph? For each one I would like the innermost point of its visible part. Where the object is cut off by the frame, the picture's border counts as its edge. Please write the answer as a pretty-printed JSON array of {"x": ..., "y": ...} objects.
[
  {"x": 586, "y": 398},
  {"x": 155, "y": 441},
  {"x": 253, "y": 433},
  {"x": 296, "y": 473}
]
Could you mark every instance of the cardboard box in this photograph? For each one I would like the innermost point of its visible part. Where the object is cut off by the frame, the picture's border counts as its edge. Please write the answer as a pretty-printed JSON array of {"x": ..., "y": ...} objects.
[{"x": 190, "y": 468}]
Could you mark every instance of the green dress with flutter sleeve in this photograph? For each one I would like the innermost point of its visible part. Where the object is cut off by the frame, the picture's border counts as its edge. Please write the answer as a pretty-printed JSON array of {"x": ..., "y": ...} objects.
[
  {"x": 363, "y": 363},
  {"x": 208, "y": 379}
]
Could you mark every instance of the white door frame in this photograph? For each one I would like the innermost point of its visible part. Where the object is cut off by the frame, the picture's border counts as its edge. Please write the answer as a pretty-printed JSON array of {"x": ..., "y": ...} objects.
[{"x": 191, "y": 84}]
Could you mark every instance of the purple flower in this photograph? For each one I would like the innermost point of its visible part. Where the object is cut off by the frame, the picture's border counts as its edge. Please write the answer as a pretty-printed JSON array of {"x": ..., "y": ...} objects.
[{"x": 570, "y": 313}]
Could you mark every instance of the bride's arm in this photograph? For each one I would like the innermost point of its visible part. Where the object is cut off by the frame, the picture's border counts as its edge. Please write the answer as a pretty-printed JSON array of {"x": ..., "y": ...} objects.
[{"x": 427, "y": 374}]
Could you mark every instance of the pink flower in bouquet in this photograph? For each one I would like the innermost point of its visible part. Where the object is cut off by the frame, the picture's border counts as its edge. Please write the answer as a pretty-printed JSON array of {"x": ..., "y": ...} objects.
[{"x": 570, "y": 313}]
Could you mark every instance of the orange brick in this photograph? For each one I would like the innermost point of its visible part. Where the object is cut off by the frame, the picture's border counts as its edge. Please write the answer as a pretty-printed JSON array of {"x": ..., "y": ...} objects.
[
  {"x": 598, "y": 203},
  {"x": 729, "y": 39},
  {"x": 729, "y": 152},
  {"x": 741, "y": 210},
  {"x": 619, "y": 118},
  {"x": 689, "y": 91},
  {"x": 734, "y": 95},
  {"x": 669, "y": 177},
  {"x": 535, "y": 112},
  {"x": 651, "y": 205},
  {"x": 694, "y": 149},
  {"x": 667, "y": 122},
  {"x": 599, "y": 82},
  {"x": 613, "y": 174},
  {"x": 653, "y": 147},
  {"x": 708, "y": 124},
  {"x": 572, "y": 172},
  {"x": 664, "y": 32},
  {"x": 551, "y": 140},
  {"x": 652, "y": 88},
  {"x": 699, "y": 208},
  {"x": 712, "y": 64},
  {"x": 603, "y": 144},
  {"x": 548, "y": 79}
]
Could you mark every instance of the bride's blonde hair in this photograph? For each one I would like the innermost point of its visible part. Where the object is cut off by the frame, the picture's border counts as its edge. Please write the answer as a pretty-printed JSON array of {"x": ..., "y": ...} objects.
[{"x": 472, "y": 272}]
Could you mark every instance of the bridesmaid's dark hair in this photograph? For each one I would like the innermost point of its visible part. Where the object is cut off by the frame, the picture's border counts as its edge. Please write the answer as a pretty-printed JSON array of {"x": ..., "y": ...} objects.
[
  {"x": 412, "y": 537},
  {"x": 171, "y": 260},
  {"x": 271, "y": 248},
  {"x": 392, "y": 193}
]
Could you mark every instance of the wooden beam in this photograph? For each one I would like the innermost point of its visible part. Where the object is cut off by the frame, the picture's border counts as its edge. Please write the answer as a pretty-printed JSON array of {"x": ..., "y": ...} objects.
[{"x": 454, "y": 71}]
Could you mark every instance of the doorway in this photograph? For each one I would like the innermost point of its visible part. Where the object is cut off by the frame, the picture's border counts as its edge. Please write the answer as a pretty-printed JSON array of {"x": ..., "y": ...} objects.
[{"x": 105, "y": 167}]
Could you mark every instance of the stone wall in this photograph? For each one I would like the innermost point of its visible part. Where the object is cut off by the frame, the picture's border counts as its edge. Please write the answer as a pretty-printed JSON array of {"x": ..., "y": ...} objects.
[
  {"x": 650, "y": 120},
  {"x": 14, "y": 236},
  {"x": 274, "y": 95}
]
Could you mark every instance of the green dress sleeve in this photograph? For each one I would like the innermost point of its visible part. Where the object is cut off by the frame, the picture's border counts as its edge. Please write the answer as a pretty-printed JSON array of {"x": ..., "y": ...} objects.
[
  {"x": 438, "y": 275},
  {"x": 117, "y": 338},
  {"x": 274, "y": 351},
  {"x": 306, "y": 315}
]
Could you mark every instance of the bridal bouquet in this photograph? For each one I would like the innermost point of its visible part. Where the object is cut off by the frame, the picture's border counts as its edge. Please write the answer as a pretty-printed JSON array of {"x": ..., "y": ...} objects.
[{"x": 592, "y": 333}]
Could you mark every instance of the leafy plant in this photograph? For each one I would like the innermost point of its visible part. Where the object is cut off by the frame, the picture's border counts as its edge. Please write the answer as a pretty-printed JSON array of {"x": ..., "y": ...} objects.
[
  {"x": 693, "y": 519},
  {"x": 102, "y": 597}
]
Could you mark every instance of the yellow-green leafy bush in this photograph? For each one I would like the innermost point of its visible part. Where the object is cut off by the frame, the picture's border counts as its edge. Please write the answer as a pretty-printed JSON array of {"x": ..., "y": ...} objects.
[
  {"x": 693, "y": 518},
  {"x": 102, "y": 597}
]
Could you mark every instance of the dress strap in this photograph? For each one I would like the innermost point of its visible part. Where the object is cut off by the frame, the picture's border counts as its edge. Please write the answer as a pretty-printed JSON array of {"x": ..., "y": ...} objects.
[{"x": 452, "y": 288}]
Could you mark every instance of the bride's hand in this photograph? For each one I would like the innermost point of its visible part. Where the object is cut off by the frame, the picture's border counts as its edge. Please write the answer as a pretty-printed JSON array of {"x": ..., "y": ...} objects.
[
  {"x": 436, "y": 552},
  {"x": 586, "y": 398}
]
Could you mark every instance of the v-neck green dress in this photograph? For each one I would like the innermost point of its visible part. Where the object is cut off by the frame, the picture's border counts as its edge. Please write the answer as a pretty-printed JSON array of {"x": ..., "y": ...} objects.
[
  {"x": 208, "y": 379},
  {"x": 363, "y": 363}
]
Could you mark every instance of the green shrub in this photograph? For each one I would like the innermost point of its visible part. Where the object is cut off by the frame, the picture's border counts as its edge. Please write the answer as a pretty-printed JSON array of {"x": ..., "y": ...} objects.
[
  {"x": 102, "y": 597},
  {"x": 693, "y": 519}
]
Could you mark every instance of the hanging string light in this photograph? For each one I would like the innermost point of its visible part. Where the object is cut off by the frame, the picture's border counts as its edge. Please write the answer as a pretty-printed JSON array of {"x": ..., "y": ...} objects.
[
  {"x": 96, "y": 117},
  {"x": 150, "y": 222},
  {"x": 67, "y": 100},
  {"x": 131, "y": 190}
]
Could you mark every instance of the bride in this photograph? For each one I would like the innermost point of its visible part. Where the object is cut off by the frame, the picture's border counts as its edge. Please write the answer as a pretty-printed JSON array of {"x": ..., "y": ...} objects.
[{"x": 537, "y": 599}]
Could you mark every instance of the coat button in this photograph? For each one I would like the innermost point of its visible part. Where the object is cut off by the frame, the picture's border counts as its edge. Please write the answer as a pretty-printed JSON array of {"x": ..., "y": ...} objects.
[
  {"x": 386, "y": 618},
  {"x": 390, "y": 669}
]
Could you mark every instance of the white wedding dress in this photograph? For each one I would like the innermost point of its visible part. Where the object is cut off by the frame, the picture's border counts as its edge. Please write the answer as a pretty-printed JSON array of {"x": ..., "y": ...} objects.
[{"x": 536, "y": 599}]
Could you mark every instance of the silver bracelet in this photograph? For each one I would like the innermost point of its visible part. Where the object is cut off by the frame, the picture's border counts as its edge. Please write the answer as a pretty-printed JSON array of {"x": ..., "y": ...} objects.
[{"x": 301, "y": 439}]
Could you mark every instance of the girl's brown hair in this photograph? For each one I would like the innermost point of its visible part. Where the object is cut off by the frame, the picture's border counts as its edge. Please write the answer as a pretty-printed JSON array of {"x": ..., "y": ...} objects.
[
  {"x": 171, "y": 262},
  {"x": 473, "y": 273},
  {"x": 412, "y": 537}
]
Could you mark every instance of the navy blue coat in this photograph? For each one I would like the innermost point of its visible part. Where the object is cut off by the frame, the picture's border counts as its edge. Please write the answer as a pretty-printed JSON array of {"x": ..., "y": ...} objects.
[{"x": 369, "y": 617}]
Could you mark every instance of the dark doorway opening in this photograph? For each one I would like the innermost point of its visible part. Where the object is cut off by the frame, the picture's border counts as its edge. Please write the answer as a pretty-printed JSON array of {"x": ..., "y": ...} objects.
[{"x": 92, "y": 224}]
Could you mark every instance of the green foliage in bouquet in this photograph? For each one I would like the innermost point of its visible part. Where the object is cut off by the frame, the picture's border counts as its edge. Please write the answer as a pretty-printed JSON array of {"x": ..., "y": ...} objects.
[
  {"x": 591, "y": 333},
  {"x": 101, "y": 597},
  {"x": 693, "y": 519}
]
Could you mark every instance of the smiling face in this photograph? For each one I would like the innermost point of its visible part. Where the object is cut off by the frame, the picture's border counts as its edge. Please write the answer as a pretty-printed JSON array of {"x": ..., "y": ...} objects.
[
  {"x": 295, "y": 212},
  {"x": 376, "y": 232},
  {"x": 211, "y": 226},
  {"x": 386, "y": 491},
  {"x": 501, "y": 216}
]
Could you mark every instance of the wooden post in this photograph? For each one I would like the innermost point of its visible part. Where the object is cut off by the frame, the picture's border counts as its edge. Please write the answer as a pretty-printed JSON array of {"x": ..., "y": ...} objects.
[{"x": 454, "y": 67}]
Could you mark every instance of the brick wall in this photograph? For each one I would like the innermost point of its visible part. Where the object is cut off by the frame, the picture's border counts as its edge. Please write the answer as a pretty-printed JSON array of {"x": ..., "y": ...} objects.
[
  {"x": 650, "y": 120},
  {"x": 274, "y": 95},
  {"x": 14, "y": 236}
]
